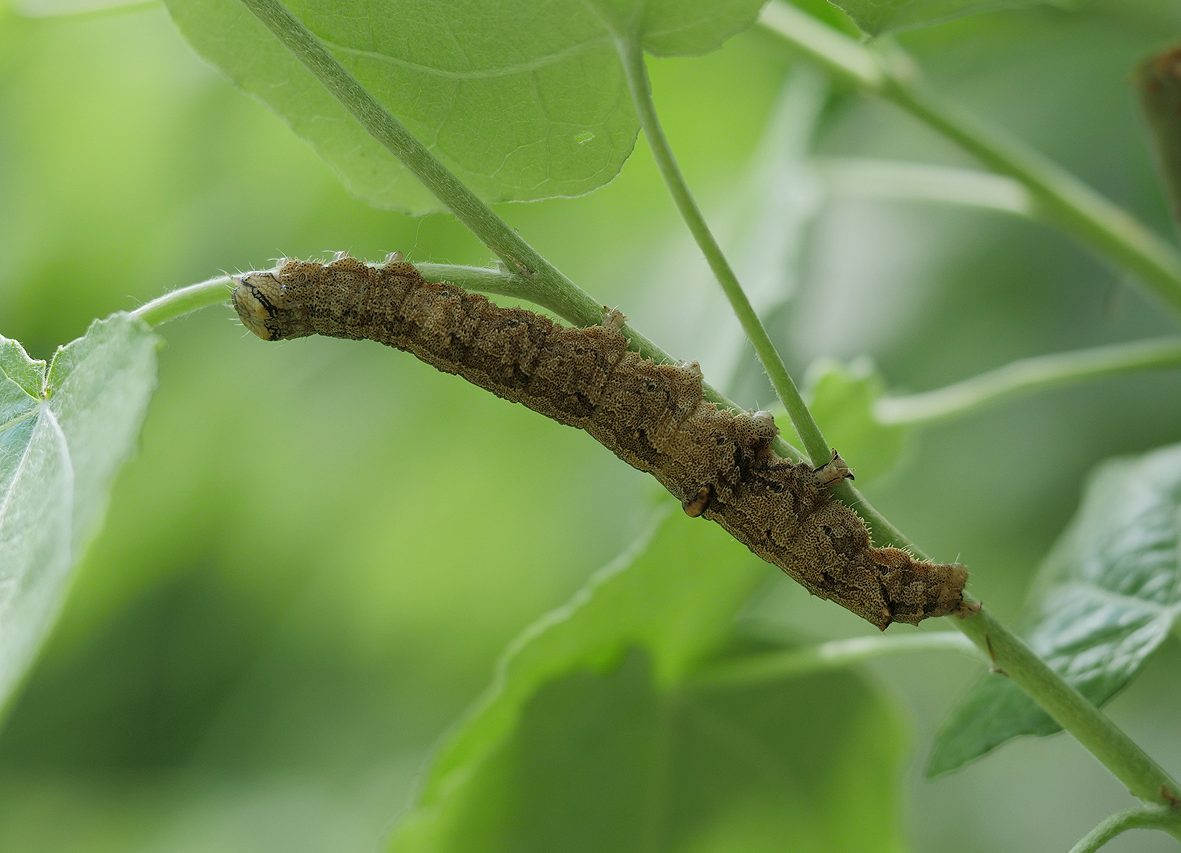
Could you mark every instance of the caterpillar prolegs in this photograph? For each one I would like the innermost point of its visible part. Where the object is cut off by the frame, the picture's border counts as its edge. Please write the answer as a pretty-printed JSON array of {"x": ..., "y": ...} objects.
[{"x": 719, "y": 464}]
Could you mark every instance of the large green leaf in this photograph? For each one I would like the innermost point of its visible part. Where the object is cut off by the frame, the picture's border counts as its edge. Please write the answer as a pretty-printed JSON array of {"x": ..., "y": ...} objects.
[
  {"x": 879, "y": 16},
  {"x": 64, "y": 433},
  {"x": 674, "y": 596},
  {"x": 522, "y": 100},
  {"x": 607, "y": 760},
  {"x": 1107, "y": 596},
  {"x": 594, "y": 739}
]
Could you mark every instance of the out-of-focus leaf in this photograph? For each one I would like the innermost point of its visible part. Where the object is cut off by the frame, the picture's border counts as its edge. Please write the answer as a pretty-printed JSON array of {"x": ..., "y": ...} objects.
[
  {"x": 879, "y": 16},
  {"x": 673, "y": 596},
  {"x": 592, "y": 739},
  {"x": 841, "y": 398},
  {"x": 608, "y": 760},
  {"x": 1107, "y": 596},
  {"x": 521, "y": 100},
  {"x": 64, "y": 433},
  {"x": 830, "y": 13}
]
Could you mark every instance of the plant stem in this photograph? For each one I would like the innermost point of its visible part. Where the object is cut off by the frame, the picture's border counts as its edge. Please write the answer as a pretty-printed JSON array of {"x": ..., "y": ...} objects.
[
  {"x": 185, "y": 300},
  {"x": 836, "y": 654},
  {"x": 946, "y": 185},
  {"x": 631, "y": 54},
  {"x": 1069, "y": 708},
  {"x": 547, "y": 285},
  {"x": 1026, "y": 375},
  {"x": 1167, "y": 820},
  {"x": 1072, "y": 204},
  {"x": 485, "y": 280},
  {"x": 1011, "y": 657}
]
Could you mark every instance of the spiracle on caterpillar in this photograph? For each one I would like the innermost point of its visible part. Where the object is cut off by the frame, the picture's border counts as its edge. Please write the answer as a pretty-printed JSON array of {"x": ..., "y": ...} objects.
[{"x": 720, "y": 464}]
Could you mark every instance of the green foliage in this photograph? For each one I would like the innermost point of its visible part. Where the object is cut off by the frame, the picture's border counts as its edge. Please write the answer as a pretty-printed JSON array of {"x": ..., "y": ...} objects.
[
  {"x": 64, "y": 433},
  {"x": 452, "y": 74},
  {"x": 1107, "y": 596},
  {"x": 880, "y": 16},
  {"x": 592, "y": 737}
]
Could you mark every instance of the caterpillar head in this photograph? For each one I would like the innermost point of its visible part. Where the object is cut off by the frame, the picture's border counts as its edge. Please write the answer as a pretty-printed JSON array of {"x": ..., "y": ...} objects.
[{"x": 257, "y": 297}]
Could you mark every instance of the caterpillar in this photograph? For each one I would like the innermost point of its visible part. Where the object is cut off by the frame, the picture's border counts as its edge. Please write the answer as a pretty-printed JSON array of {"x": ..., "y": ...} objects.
[{"x": 720, "y": 464}]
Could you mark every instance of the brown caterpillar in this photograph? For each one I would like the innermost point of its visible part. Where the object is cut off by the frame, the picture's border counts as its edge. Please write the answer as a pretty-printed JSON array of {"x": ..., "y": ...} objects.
[{"x": 718, "y": 463}]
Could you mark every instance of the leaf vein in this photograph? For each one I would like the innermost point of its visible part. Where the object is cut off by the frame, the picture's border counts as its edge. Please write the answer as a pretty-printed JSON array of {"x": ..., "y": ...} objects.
[{"x": 532, "y": 65}]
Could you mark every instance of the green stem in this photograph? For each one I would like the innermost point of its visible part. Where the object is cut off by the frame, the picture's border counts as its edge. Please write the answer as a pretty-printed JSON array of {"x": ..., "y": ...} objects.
[
  {"x": 1027, "y": 375},
  {"x": 1167, "y": 820},
  {"x": 1069, "y": 708},
  {"x": 487, "y": 280},
  {"x": 1012, "y": 658},
  {"x": 547, "y": 285},
  {"x": 631, "y": 54},
  {"x": 185, "y": 300},
  {"x": 1072, "y": 204},
  {"x": 836, "y": 654},
  {"x": 215, "y": 291},
  {"x": 919, "y": 182}
]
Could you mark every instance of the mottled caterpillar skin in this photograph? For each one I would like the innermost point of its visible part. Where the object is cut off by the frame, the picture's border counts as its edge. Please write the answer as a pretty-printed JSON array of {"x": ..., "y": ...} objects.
[{"x": 718, "y": 463}]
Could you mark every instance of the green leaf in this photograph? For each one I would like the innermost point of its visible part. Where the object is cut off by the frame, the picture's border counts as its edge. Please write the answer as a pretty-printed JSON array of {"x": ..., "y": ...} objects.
[
  {"x": 521, "y": 100},
  {"x": 1107, "y": 596},
  {"x": 674, "y": 595},
  {"x": 27, "y": 373},
  {"x": 606, "y": 760},
  {"x": 842, "y": 398},
  {"x": 879, "y": 16},
  {"x": 64, "y": 433},
  {"x": 592, "y": 738}
]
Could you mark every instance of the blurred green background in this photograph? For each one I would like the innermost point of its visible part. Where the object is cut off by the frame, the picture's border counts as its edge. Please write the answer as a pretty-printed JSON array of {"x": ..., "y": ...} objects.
[{"x": 321, "y": 549}]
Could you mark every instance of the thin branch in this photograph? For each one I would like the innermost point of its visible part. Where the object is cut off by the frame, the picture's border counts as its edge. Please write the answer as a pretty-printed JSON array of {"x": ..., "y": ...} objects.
[
  {"x": 1068, "y": 201},
  {"x": 1025, "y": 376},
  {"x": 185, "y": 300},
  {"x": 1166, "y": 820},
  {"x": 631, "y": 54},
  {"x": 485, "y": 280},
  {"x": 946, "y": 185},
  {"x": 1092, "y": 728}
]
